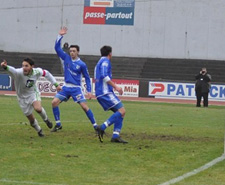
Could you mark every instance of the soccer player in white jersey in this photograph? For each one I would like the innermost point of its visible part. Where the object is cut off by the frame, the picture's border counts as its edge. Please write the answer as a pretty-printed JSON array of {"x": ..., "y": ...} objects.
[
  {"x": 27, "y": 92},
  {"x": 74, "y": 69},
  {"x": 106, "y": 96}
]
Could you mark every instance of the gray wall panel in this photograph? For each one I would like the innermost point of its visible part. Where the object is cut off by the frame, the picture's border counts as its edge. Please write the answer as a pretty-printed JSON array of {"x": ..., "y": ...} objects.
[{"x": 190, "y": 29}]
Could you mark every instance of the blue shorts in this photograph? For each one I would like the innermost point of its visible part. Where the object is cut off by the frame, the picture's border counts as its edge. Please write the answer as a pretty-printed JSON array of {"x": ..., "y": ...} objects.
[
  {"x": 110, "y": 102},
  {"x": 74, "y": 92}
]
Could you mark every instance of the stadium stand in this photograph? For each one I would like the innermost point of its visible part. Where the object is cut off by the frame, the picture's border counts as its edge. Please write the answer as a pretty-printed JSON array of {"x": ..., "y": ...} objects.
[
  {"x": 47, "y": 61},
  {"x": 182, "y": 70},
  {"x": 123, "y": 67}
]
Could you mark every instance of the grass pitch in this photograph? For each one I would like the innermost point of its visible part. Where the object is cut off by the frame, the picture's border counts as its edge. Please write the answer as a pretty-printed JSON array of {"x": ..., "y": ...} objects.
[{"x": 165, "y": 141}]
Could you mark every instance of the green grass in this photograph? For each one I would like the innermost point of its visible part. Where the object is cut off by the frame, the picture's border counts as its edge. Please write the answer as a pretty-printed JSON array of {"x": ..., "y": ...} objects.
[{"x": 165, "y": 141}]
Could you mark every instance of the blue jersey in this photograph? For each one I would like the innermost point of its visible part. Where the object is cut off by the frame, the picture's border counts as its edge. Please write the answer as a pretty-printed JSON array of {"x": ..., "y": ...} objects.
[
  {"x": 103, "y": 70},
  {"x": 74, "y": 70}
]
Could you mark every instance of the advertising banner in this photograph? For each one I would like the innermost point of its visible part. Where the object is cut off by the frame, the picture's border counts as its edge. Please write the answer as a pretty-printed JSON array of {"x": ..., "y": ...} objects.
[
  {"x": 130, "y": 87},
  {"x": 5, "y": 82},
  {"x": 175, "y": 90},
  {"x": 114, "y": 12},
  {"x": 45, "y": 86}
]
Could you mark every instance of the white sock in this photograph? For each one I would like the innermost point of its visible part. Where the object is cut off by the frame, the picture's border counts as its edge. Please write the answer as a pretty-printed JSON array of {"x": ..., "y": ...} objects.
[
  {"x": 35, "y": 125},
  {"x": 106, "y": 124},
  {"x": 43, "y": 114}
]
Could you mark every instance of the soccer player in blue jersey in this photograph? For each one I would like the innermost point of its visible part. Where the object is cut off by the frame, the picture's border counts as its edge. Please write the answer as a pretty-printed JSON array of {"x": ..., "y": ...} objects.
[
  {"x": 107, "y": 98},
  {"x": 74, "y": 69}
]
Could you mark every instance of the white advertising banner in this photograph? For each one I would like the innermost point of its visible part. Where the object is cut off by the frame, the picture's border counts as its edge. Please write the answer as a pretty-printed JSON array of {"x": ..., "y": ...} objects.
[
  {"x": 130, "y": 87},
  {"x": 45, "y": 86},
  {"x": 182, "y": 90}
]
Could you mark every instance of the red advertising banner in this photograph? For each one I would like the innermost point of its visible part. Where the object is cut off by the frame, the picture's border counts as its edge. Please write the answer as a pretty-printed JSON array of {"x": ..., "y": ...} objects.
[{"x": 94, "y": 15}]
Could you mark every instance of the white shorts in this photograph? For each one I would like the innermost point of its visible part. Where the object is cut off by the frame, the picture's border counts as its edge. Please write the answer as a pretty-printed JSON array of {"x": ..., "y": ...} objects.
[{"x": 27, "y": 104}]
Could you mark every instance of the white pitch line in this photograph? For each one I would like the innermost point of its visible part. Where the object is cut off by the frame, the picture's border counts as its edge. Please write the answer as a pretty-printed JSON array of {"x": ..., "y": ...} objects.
[
  {"x": 23, "y": 123},
  {"x": 194, "y": 172},
  {"x": 27, "y": 182},
  {"x": 26, "y": 123}
]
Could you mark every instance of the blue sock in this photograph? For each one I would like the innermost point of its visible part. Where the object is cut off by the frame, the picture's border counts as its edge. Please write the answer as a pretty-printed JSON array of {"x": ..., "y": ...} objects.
[
  {"x": 111, "y": 120},
  {"x": 117, "y": 127},
  {"x": 91, "y": 117},
  {"x": 56, "y": 113}
]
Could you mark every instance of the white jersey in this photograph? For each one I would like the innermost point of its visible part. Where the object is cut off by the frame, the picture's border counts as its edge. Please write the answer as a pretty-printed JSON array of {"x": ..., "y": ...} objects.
[{"x": 26, "y": 84}]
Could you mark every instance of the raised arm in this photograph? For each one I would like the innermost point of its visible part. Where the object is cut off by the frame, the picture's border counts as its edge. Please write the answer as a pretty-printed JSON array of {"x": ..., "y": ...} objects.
[
  {"x": 4, "y": 64},
  {"x": 11, "y": 70},
  {"x": 58, "y": 48}
]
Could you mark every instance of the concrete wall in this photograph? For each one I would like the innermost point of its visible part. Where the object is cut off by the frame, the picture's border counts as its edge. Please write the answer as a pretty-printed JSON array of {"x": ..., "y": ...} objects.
[{"x": 190, "y": 29}]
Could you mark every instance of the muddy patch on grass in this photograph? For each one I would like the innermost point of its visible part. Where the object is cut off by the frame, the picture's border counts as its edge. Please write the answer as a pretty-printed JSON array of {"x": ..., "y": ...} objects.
[{"x": 164, "y": 137}]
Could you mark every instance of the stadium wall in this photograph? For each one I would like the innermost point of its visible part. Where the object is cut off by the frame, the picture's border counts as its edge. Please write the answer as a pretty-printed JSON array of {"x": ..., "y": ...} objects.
[{"x": 186, "y": 29}]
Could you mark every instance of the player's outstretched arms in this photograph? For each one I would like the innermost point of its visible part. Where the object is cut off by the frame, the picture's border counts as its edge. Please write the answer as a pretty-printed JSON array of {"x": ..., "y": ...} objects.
[{"x": 63, "y": 31}]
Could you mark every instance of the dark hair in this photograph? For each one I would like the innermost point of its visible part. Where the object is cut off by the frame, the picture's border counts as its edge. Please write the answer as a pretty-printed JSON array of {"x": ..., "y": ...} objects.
[
  {"x": 75, "y": 46},
  {"x": 29, "y": 60},
  {"x": 106, "y": 50},
  {"x": 66, "y": 45}
]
